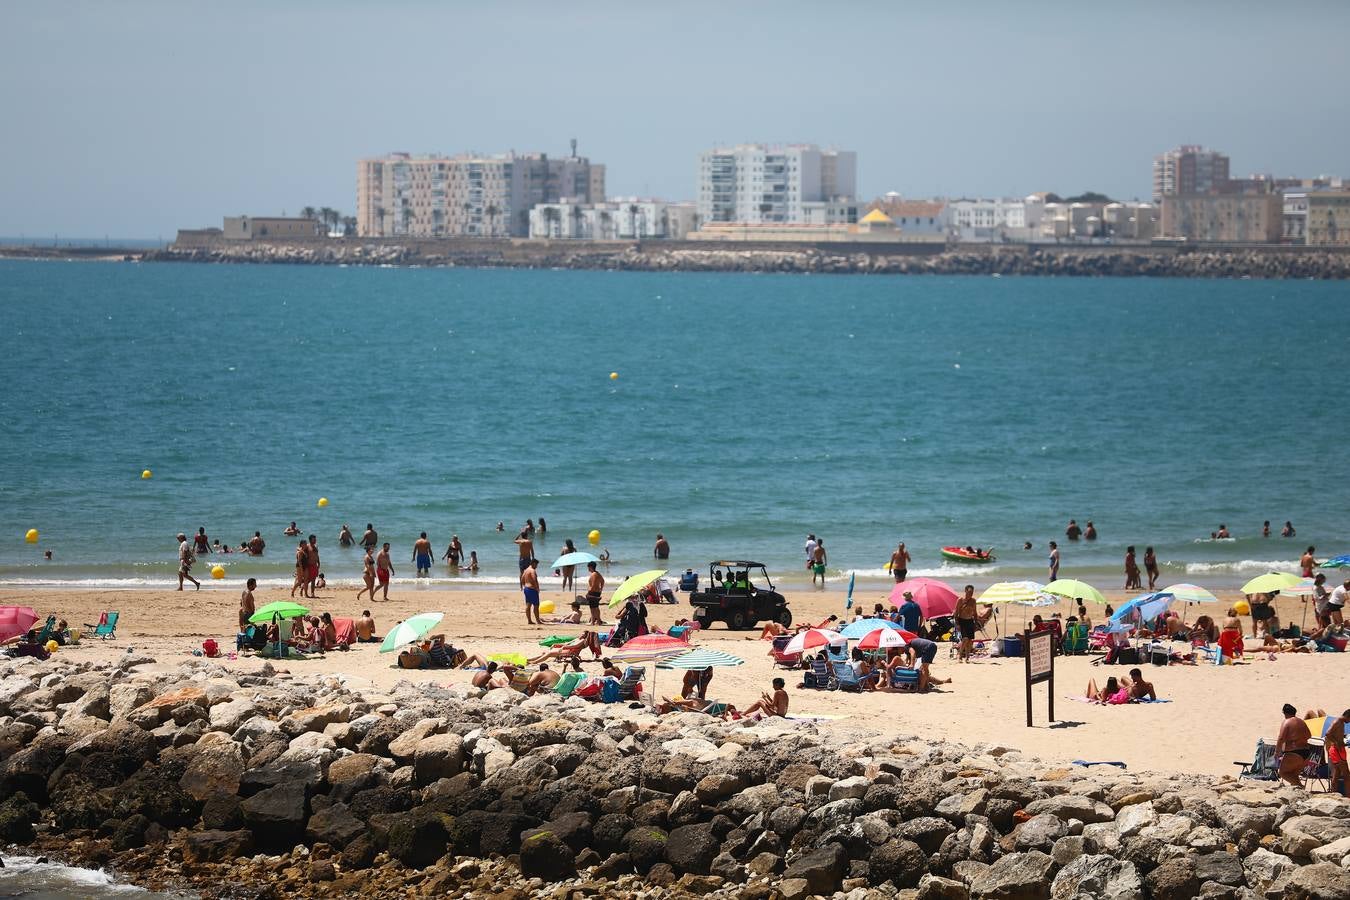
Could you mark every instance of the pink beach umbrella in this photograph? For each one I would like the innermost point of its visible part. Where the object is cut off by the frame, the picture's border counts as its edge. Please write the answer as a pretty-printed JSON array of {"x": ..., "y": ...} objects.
[
  {"x": 935, "y": 598},
  {"x": 16, "y": 620},
  {"x": 812, "y": 638},
  {"x": 885, "y": 639}
]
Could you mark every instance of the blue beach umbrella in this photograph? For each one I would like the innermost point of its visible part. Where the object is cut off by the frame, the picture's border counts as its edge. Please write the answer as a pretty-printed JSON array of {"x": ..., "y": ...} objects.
[
  {"x": 856, "y": 630},
  {"x": 575, "y": 558},
  {"x": 1336, "y": 562},
  {"x": 1143, "y": 608}
]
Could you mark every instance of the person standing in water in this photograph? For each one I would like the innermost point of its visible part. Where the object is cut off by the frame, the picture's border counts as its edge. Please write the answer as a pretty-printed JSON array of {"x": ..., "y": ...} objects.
[
  {"x": 312, "y": 578},
  {"x": 818, "y": 562},
  {"x": 1151, "y": 567},
  {"x": 662, "y": 548},
  {"x": 454, "y": 552},
  {"x": 421, "y": 555},
  {"x": 200, "y": 543},
  {"x": 370, "y": 540},
  {"x": 345, "y": 537},
  {"x": 526, "y": 546},
  {"x": 1132, "y": 580},
  {"x": 1308, "y": 562}
]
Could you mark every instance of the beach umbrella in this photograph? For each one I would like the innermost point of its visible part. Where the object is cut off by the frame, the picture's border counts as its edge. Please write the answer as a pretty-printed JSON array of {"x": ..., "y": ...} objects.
[
  {"x": 1074, "y": 590},
  {"x": 1190, "y": 593},
  {"x": 575, "y": 558},
  {"x": 1336, "y": 562},
  {"x": 1011, "y": 592},
  {"x": 700, "y": 658},
  {"x": 634, "y": 584},
  {"x": 854, "y": 630},
  {"x": 812, "y": 638},
  {"x": 1143, "y": 608},
  {"x": 884, "y": 639},
  {"x": 413, "y": 628},
  {"x": 651, "y": 648},
  {"x": 554, "y": 640},
  {"x": 848, "y": 601},
  {"x": 515, "y": 659},
  {"x": 935, "y": 598},
  {"x": 1270, "y": 583},
  {"x": 1304, "y": 587},
  {"x": 282, "y": 609},
  {"x": 16, "y": 620},
  {"x": 1119, "y": 627}
]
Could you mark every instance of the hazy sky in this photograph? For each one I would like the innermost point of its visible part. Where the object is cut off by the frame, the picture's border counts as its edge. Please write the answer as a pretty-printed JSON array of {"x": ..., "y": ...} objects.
[{"x": 135, "y": 118}]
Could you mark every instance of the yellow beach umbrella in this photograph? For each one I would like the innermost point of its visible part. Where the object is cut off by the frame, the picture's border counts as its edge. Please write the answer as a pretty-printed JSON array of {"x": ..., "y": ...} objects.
[
  {"x": 1270, "y": 583},
  {"x": 634, "y": 584}
]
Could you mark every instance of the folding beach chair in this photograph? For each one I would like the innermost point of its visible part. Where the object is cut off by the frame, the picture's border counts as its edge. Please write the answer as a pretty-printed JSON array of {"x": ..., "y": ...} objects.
[
  {"x": 1075, "y": 639},
  {"x": 819, "y": 676},
  {"x": 106, "y": 627},
  {"x": 47, "y": 631},
  {"x": 568, "y": 683},
  {"x": 631, "y": 685},
  {"x": 1263, "y": 766},
  {"x": 846, "y": 679},
  {"x": 1317, "y": 769},
  {"x": 786, "y": 660},
  {"x": 905, "y": 679}
]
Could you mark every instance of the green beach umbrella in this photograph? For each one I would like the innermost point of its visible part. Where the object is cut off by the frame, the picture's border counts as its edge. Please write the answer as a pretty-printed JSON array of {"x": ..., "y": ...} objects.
[
  {"x": 700, "y": 658},
  {"x": 1271, "y": 583},
  {"x": 285, "y": 609},
  {"x": 632, "y": 585},
  {"x": 1074, "y": 589},
  {"x": 1189, "y": 593},
  {"x": 555, "y": 640},
  {"x": 410, "y": 629}
]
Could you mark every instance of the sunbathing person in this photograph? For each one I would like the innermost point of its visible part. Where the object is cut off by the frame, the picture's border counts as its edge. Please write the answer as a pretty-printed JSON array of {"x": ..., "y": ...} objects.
[
  {"x": 683, "y": 704},
  {"x": 543, "y": 680},
  {"x": 484, "y": 678},
  {"x": 775, "y": 704},
  {"x": 587, "y": 641},
  {"x": 572, "y": 618},
  {"x": 1139, "y": 688},
  {"x": 610, "y": 670},
  {"x": 1272, "y": 644},
  {"x": 1113, "y": 693}
]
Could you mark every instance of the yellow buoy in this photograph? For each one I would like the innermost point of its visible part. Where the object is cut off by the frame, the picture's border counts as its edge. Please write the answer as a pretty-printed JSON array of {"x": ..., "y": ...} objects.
[
  {"x": 613, "y": 376},
  {"x": 1241, "y": 608},
  {"x": 546, "y": 607},
  {"x": 146, "y": 473},
  {"x": 52, "y": 646},
  {"x": 593, "y": 537},
  {"x": 31, "y": 536},
  {"x": 217, "y": 572},
  {"x": 323, "y": 501}
]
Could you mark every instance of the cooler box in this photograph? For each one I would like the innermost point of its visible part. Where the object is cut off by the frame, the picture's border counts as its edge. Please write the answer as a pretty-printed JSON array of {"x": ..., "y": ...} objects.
[{"x": 1010, "y": 646}]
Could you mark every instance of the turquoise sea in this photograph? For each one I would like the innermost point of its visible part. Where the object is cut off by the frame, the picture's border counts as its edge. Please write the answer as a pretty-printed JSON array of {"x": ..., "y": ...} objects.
[{"x": 748, "y": 411}]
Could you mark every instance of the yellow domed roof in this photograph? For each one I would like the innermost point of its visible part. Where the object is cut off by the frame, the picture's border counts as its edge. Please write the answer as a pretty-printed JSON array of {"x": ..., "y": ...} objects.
[{"x": 877, "y": 217}]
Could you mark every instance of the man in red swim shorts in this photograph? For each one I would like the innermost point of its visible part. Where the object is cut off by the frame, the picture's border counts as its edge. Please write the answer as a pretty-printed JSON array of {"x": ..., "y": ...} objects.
[
  {"x": 1334, "y": 739},
  {"x": 384, "y": 567}
]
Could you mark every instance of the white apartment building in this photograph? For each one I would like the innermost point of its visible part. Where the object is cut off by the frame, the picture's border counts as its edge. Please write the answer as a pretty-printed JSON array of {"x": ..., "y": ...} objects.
[
  {"x": 451, "y": 196},
  {"x": 762, "y": 184},
  {"x": 986, "y": 220},
  {"x": 617, "y": 219}
]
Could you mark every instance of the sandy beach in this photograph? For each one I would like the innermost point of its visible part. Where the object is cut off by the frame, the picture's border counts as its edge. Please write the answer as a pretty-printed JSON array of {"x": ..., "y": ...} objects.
[{"x": 1214, "y": 717}]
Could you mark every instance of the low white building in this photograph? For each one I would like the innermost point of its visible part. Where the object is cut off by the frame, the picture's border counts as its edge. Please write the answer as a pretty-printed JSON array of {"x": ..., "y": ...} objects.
[
  {"x": 987, "y": 220},
  {"x": 616, "y": 219}
]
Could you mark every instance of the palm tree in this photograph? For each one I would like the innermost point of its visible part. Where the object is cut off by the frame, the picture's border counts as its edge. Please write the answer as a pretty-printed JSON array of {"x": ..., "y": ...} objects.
[
  {"x": 551, "y": 219},
  {"x": 632, "y": 220},
  {"x": 606, "y": 220},
  {"x": 492, "y": 212},
  {"x": 348, "y": 226},
  {"x": 309, "y": 212}
]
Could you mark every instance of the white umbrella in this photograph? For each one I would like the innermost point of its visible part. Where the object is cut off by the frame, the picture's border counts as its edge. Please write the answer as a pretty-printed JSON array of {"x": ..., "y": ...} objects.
[{"x": 814, "y": 637}]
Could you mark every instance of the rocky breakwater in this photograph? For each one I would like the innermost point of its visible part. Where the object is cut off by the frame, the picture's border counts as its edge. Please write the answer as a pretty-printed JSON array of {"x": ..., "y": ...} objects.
[{"x": 271, "y": 785}]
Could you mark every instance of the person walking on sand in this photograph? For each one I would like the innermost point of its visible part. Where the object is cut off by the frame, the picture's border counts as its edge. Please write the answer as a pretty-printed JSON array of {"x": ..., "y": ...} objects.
[
  {"x": 247, "y": 605},
  {"x": 185, "y": 561},
  {"x": 367, "y": 575},
  {"x": 900, "y": 563},
  {"x": 370, "y": 540},
  {"x": 595, "y": 585},
  {"x": 965, "y": 615},
  {"x": 345, "y": 536},
  {"x": 529, "y": 586},
  {"x": 1132, "y": 579},
  {"x": 1151, "y": 567},
  {"x": 454, "y": 552},
  {"x": 1308, "y": 562},
  {"x": 384, "y": 569},
  {"x": 1292, "y": 747},
  {"x": 312, "y": 576},
  {"x": 818, "y": 563},
  {"x": 526, "y": 546},
  {"x": 421, "y": 556},
  {"x": 662, "y": 548},
  {"x": 1054, "y": 560}
]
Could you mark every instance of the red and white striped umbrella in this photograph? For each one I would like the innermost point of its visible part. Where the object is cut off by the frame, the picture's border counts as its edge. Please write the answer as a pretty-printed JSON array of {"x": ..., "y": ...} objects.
[
  {"x": 885, "y": 639},
  {"x": 814, "y": 637}
]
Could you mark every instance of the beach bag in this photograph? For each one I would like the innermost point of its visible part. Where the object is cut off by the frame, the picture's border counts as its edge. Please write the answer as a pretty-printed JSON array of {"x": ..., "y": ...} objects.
[
  {"x": 609, "y": 690},
  {"x": 210, "y": 648},
  {"x": 590, "y": 689}
]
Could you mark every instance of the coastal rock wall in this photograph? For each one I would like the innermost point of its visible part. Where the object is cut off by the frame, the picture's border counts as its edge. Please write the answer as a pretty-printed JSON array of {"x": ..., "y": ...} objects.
[
  {"x": 273, "y": 785},
  {"x": 1165, "y": 262}
]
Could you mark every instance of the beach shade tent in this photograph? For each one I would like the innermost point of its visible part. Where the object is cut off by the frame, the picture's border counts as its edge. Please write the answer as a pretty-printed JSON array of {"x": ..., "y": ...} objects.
[
  {"x": 281, "y": 609},
  {"x": 885, "y": 639},
  {"x": 634, "y": 584},
  {"x": 855, "y": 630},
  {"x": 1073, "y": 589},
  {"x": 413, "y": 628},
  {"x": 812, "y": 638},
  {"x": 1143, "y": 608},
  {"x": 651, "y": 648},
  {"x": 1271, "y": 583},
  {"x": 1190, "y": 593},
  {"x": 16, "y": 620},
  {"x": 935, "y": 598},
  {"x": 1023, "y": 593}
]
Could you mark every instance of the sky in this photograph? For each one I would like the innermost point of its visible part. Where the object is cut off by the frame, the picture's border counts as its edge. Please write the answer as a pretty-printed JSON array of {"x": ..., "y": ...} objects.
[{"x": 133, "y": 119}]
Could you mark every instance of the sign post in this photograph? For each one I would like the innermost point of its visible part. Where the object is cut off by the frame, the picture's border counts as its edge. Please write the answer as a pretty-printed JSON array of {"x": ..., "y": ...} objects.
[{"x": 1040, "y": 657}]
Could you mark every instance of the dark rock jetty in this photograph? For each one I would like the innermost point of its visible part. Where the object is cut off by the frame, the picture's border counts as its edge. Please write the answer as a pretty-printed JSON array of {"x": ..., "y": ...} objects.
[{"x": 268, "y": 785}]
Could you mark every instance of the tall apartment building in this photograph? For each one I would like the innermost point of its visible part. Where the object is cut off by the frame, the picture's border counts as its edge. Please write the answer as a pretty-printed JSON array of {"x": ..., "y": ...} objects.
[
  {"x": 453, "y": 196},
  {"x": 1189, "y": 169},
  {"x": 760, "y": 184}
]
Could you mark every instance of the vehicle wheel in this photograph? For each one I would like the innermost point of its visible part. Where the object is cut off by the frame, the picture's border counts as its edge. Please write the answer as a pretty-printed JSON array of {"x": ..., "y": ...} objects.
[
  {"x": 785, "y": 617},
  {"x": 736, "y": 620},
  {"x": 701, "y": 617}
]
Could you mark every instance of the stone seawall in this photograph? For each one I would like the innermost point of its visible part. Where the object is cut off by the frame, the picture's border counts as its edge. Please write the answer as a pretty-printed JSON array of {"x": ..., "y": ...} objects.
[
  {"x": 262, "y": 784},
  {"x": 1165, "y": 262}
]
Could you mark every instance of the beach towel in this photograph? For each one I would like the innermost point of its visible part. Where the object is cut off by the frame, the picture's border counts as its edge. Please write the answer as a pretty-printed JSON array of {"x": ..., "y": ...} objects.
[
  {"x": 1116, "y": 763},
  {"x": 1095, "y": 703},
  {"x": 346, "y": 631}
]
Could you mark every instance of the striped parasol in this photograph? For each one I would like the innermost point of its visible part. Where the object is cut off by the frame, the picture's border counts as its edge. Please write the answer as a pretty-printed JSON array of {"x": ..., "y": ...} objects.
[
  {"x": 1011, "y": 592},
  {"x": 651, "y": 648},
  {"x": 700, "y": 658}
]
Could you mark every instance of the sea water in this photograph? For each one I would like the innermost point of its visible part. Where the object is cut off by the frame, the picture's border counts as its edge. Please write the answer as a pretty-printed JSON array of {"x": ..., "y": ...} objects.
[
  {"x": 35, "y": 879},
  {"x": 748, "y": 411}
]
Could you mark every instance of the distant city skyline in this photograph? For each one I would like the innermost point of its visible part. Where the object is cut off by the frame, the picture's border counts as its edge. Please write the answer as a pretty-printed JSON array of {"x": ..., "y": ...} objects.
[{"x": 135, "y": 119}]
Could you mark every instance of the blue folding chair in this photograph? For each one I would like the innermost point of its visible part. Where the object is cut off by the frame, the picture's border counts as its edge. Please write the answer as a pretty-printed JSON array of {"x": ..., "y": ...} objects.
[
  {"x": 819, "y": 676},
  {"x": 846, "y": 679},
  {"x": 905, "y": 679}
]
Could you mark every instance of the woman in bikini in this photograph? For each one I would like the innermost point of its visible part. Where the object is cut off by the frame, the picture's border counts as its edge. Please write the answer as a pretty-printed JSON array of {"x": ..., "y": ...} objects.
[
  {"x": 368, "y": 575},
  {"x": 1113, "y": 693}
]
